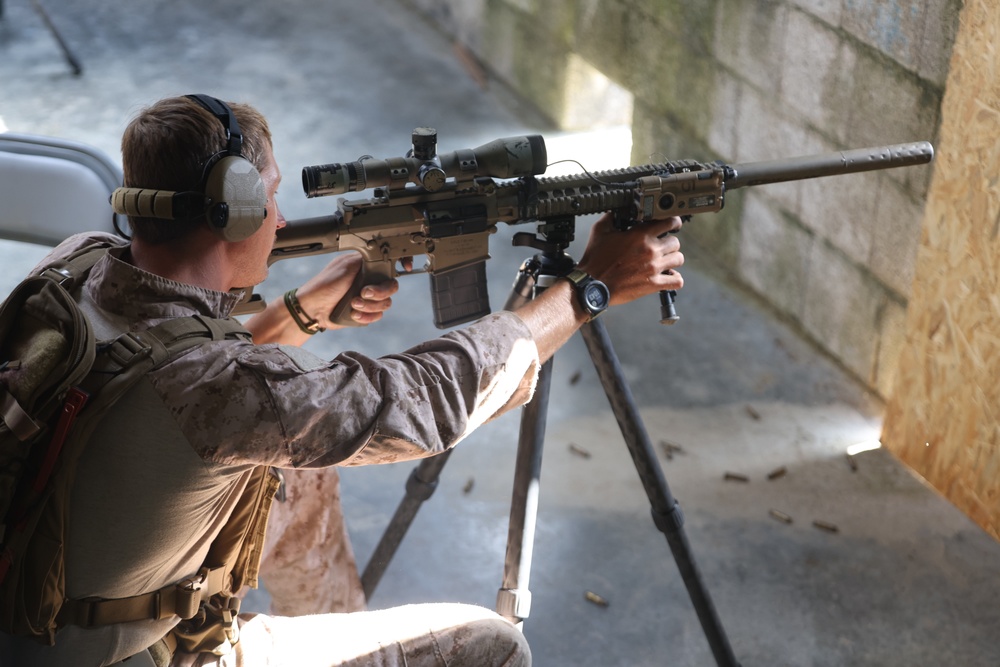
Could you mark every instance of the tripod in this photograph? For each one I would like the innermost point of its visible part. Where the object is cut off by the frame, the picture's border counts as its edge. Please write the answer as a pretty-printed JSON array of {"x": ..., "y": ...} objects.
[
  {"x": 514, "y": 597},
  {"x": 71, "y": 59}
]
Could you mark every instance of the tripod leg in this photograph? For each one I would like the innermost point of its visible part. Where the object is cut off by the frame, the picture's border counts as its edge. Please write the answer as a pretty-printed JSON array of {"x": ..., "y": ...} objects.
[
  {"x": 67, "y": 53},
  {"x": 423, "y": 479},
  {"x": 419, "y": 487},
  {"x": 665, "y": 509},
  {"x": 514, "y": 598}
]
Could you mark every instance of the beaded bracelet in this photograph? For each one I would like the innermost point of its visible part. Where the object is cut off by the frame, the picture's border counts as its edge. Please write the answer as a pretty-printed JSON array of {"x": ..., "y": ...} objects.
[{"x": 305, "y": 323}]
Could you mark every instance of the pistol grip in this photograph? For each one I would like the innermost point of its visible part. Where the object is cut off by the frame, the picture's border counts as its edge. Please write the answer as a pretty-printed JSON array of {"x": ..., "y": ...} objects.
[{"x": 370, "y": 273}]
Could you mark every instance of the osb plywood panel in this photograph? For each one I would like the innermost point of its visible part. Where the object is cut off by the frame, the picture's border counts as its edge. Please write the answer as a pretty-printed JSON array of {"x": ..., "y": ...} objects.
[{"x": 944, "y": 417}]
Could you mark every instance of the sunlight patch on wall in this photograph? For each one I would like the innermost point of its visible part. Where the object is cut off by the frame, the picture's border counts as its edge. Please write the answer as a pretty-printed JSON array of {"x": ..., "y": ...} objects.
[
  {"x": 596, "y": 122},
  {"x": 592, "y": 100}
]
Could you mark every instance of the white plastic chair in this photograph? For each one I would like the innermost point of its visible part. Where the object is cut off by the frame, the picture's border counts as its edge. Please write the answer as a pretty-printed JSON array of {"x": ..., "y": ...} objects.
[{"x": 51, "y": 188}]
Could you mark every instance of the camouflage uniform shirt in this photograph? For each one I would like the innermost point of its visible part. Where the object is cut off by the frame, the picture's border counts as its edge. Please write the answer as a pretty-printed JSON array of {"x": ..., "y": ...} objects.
[{"x": 164, "y": 469}]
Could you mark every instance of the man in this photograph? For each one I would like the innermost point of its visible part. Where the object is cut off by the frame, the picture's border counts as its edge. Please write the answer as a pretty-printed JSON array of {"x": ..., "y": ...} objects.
[{"x": 181, "y": 462}]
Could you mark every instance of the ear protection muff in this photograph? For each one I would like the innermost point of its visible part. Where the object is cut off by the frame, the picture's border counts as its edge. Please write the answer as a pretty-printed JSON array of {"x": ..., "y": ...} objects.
[{"x": 233, "y": 199}]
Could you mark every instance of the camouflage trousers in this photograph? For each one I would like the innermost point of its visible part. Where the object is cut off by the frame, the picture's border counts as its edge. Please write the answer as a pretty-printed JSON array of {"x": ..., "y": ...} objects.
[
  {"x": 311, "y": 574},
  {"x": 422, "y": 635},
  {"x": 308, "y": 566}
]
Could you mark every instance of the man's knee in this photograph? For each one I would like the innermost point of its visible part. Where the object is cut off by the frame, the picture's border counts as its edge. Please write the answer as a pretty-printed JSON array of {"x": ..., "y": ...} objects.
[
  {"x": 494, "y": 641},
  {"x": 520, "y": 653}
]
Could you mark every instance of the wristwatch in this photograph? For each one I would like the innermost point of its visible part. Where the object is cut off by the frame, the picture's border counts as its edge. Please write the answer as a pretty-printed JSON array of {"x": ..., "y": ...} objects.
[{"x": 593, "y": 295}]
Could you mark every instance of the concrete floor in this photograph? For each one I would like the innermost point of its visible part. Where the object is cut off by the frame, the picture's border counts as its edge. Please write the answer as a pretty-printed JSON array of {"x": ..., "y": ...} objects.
[{"x": 906, "y": 579}]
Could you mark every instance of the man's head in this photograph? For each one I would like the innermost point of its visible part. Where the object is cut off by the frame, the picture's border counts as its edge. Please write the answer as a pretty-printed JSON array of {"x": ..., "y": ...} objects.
[{"x": 169, "y": 146}]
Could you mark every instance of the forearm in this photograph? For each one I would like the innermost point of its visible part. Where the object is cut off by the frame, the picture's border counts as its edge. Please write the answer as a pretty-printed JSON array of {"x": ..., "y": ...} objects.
[
  {"x": 275, "y": 325},
  {"x": 553, "y": 317}
]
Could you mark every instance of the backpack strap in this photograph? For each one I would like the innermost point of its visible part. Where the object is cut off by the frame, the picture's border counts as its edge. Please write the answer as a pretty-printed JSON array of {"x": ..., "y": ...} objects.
[
  {"x": 72, "y": 270},
  {"x": 17, "y": 420},
  {"x": 167, "y": 339}
]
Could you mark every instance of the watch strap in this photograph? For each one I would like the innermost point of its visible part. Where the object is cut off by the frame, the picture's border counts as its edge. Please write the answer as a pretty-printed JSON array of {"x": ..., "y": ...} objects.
[{"x": 578, "y": 277}]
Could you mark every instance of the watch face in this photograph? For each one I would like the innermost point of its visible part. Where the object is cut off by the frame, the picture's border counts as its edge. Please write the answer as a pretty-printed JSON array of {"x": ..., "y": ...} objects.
[{"x": 596, "y": 295}]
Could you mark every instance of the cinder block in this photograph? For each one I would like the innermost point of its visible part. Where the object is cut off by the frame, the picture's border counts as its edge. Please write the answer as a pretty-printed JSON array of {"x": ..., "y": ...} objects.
[
  {"x": 691, "y": 23},
  {"x": 751, "y": 81},
  {"x": 765, "y": 132},
  {"x": 604, "y": 35},
  {"x": 893, "y": 27},
  {"x": 828, "y": 11},
  {"x": 841, "y": 209},
  {"x": 499, "y": 41},
  {"x": 656, "y": 138},
  {"x": 891, "y": 105},
  {"x": 666, "y": 75},
  {"x": 720, "y": 234},
  {"x": 895, "y": 237},
  {"x": 841, "y": 304},
  {"x": 724, "y": 114},
  {"x": 761, "y": 131},
  {"x": 816, "y": 77},
  {"x": 748, "y": 40},
  {"x": 774, "y": 254},
  {"x": 891, "y": 339},
  {"x": 941, "y": 26}
]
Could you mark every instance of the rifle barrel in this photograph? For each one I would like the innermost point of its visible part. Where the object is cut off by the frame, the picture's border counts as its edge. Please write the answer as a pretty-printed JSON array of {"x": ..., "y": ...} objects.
[{"x": 830, "y": 164}]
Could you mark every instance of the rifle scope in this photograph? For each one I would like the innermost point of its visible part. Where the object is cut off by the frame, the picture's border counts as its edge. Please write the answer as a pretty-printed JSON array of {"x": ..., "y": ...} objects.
[{"x": 511, "y": 157}]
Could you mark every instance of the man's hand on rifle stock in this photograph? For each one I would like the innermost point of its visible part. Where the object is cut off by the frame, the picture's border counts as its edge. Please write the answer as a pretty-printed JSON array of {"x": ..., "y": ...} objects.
[
  {"x": 321, "y": 293},
  {"x": 318, "y": 297},
  {"x": 637, "y": 262}
]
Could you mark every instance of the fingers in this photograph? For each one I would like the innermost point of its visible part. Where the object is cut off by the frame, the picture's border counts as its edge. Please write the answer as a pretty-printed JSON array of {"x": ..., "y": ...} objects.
[
  {"x": 671, "y": 258},
  {"x": 666, "y": 226},
  {"x": 365, "y": 318},
  {"x": 671, "y": 279},
  {"x": 374, "y": 301},
  {"x": 380, "y": 291}
]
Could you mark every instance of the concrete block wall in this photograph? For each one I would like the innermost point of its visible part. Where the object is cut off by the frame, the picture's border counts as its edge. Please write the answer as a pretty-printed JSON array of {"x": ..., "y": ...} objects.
[{"x": 746, "y": 81}]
